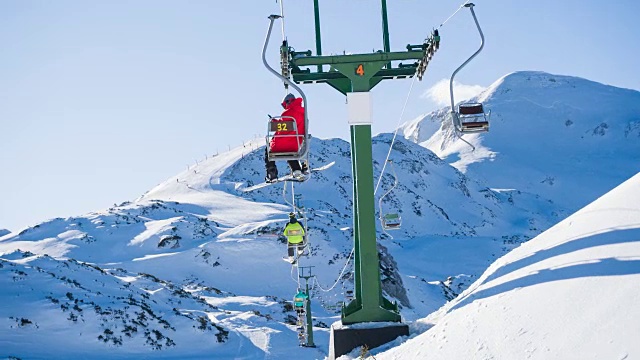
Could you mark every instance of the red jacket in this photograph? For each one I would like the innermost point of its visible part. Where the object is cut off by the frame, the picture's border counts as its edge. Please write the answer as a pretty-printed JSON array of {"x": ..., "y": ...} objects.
[{"x": 289, "y": 143}]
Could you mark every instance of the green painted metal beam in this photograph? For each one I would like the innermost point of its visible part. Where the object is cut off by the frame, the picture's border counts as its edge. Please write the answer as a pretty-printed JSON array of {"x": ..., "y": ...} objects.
[
  {"x": 316, "y": 13},
  {"x": 309, "y": 319},
  {"x": 383, "y": 73},
  {"x": 343, "y": 84},
  {"x": 385, "y": 30},
  {"x": 356, "y": 58}
]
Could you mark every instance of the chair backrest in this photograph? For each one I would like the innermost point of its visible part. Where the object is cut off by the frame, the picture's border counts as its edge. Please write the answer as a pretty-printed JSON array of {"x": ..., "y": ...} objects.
[
  {"x": 283, "y": 125},
  {"x": 471, "y": 109}
]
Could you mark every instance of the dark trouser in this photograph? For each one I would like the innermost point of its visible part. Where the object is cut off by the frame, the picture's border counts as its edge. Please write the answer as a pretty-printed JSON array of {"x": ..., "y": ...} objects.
[
  {"x": 291, "y": 248},
  {"x": 271, "y": 165}
]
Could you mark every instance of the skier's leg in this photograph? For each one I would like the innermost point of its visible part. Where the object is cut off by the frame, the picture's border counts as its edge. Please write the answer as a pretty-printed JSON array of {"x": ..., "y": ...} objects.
[
  {"x": 294, "y": 165},
  {"x": 272, "y": 170}
]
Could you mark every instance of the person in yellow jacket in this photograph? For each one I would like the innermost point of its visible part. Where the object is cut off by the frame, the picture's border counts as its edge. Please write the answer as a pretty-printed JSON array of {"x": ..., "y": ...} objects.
[{"x": 294, "y": 233}]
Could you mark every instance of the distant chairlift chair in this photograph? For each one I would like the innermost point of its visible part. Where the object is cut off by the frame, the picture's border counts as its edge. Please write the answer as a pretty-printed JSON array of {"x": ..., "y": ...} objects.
[
  {"x": 300, "y": 248},
  {"x": 470, "y": 117},
  {"x": 389, "y": 221}
]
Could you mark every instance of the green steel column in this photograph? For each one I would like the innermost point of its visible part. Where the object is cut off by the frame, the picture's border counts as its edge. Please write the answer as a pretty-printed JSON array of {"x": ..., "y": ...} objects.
[
  {"x": 309, "y": 320},
  {"x": 385, "y": 30},
  {"x": 316, "y": 11},
  {"x": 364, "y": 219},
  {"x": 368, "y": 305}
]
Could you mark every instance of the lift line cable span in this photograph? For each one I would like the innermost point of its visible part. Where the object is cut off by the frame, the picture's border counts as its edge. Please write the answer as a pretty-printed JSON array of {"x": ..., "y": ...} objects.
[{"x": 339, "y": 276}]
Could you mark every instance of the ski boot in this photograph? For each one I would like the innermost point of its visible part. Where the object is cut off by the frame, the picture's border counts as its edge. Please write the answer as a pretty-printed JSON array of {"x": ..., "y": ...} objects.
[{"x": 272, "y": 175}]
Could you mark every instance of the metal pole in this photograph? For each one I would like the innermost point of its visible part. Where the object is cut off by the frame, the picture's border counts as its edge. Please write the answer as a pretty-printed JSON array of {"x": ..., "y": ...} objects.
[
  {"x": 385, "y": 31},
  {"x": 369, "y": 304},
  {"x": 284, "y": 36},
  {"x": 272, "y": 18},
  {"x": 470, "y": 6},
  {"x": 316, "y": 11},
  {"x": 309, "y": 320}
]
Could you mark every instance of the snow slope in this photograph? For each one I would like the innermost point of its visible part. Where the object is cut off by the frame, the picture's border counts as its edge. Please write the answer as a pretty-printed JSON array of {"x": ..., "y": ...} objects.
[
  {"x": 193, "y": 269},
  {"x": 570, "y": 293},
  {"x": 197, "y": 258},
  {"x": 562, "y": 137}
]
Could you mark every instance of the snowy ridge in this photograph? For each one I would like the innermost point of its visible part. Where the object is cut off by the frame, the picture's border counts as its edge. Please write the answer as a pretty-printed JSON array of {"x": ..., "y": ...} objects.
[
  {"x": 200, "y": 259},
  {"x": 570, "y": 293},
  {"x": 552, "y": 135},
  {"x": 196, "y": 232}
]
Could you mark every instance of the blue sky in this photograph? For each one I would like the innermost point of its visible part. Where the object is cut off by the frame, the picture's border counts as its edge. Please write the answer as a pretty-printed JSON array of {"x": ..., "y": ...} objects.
[{"x": 102, "y": 100}]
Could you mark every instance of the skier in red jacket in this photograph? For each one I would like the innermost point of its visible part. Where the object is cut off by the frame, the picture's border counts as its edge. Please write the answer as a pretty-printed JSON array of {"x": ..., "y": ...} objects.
[{"x": 289, "y": 143}]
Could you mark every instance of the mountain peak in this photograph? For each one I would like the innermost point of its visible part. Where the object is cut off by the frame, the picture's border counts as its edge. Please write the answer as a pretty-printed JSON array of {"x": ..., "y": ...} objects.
[
  {"x": 533, "y": 83},
  {"x": 546, "y": 132}
]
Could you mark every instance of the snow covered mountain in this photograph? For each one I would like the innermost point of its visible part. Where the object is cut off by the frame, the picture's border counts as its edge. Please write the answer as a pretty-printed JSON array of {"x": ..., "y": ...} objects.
[
  {"x": 570, "y": 293},
  {"x": 4, "y": 232},
  {"x": 564, "y": 138},
  {"x": 193, "y": 267}
]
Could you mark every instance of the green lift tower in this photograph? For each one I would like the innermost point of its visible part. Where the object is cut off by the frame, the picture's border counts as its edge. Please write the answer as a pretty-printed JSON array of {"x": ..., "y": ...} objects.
[{"x": 355, "y": 75}]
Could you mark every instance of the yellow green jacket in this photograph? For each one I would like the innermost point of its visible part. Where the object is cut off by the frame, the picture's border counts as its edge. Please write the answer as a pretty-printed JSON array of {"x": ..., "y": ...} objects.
[{"x": 294, "y": 233}]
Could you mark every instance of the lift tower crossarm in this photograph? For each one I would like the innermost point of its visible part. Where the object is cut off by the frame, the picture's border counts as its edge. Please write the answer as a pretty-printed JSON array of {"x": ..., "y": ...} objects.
[{"x": 354, "y": 58}]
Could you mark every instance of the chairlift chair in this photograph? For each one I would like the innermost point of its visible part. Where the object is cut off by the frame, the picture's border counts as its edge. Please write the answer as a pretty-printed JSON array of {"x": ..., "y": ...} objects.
[
  {"x": 389, "y": 221},
  {"x": 469, "y": 118},
  {"x": 279, "y": 124},
  {"x": 300, "y": 247},
  {"x": 349, "y": 295},
  {"x": 299, "y": 300}
]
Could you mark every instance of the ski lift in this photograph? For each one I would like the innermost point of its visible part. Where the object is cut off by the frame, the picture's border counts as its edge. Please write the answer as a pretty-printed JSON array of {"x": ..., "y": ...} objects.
[
  {"x": 469, "y": 118},
  {"x": 348, "y": 295},
  {"x": 281, "y": 127},
  {"x": 301, "y": 247},
  {"x": 285, "y": 128},
  {"x": 389, "y": 221},
  {"x": 299, "y": 301}
]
